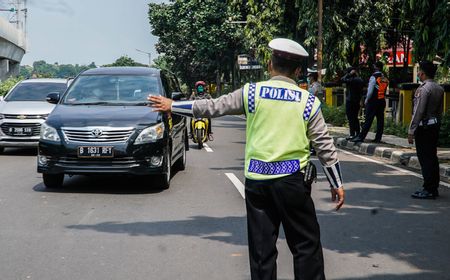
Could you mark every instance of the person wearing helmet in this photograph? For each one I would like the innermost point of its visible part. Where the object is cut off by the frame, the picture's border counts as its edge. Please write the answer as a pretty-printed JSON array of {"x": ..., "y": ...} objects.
[{"x": 201, "y": 93}]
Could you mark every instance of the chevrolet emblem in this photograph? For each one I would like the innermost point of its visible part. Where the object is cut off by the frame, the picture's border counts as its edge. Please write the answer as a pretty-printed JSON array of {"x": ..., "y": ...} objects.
[{"x": 21, "y": 117}]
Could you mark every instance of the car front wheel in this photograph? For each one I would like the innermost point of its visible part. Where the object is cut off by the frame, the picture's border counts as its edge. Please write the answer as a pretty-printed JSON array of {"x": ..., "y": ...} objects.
[
  {"x": 53, "y": 181},
  {"x": 164, "y": 179}
]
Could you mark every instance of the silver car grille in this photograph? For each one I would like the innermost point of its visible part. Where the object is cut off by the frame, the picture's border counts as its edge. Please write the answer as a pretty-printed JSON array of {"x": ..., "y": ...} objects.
[
  {"x": 97, "y": 134},
  {"x": 25, "y": 117},
  {"x": 7, "y": 128}
]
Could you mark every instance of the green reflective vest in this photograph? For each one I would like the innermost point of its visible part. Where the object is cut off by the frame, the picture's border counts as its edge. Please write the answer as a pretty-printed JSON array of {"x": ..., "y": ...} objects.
[{"x": 277, "y": 116}]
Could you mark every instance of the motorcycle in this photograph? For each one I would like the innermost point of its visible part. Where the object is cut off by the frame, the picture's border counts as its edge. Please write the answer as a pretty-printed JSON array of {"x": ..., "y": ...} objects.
[{"x": 199, "y": 131}]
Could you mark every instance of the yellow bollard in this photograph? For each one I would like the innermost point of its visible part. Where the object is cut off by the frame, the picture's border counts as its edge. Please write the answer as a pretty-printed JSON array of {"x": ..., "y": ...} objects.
[
  {"x": 406, "y": 102},
  {"x": 446, "y": 102},
  {"x": 329, "y": 96}
]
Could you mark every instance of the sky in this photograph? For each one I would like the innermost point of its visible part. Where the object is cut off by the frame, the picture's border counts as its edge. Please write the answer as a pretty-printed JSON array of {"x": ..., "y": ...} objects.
[{"x": 85, "y": 31}]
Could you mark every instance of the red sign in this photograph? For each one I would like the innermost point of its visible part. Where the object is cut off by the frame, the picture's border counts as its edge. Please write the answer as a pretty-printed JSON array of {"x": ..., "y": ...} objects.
[{"x": 400, "y": 58}]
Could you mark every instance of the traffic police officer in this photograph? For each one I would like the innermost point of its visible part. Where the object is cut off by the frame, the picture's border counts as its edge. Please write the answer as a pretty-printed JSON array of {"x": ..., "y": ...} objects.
[
  {"x": 424, "y": 127},
  {"x": 282, "y": 120}
]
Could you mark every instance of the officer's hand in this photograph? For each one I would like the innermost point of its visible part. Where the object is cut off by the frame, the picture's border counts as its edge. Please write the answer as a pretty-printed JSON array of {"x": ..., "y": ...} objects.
[
  {"x": 339, "y": 194},
  {"x": 160, "y": 103},
  {"x": 410, "y": 139}
]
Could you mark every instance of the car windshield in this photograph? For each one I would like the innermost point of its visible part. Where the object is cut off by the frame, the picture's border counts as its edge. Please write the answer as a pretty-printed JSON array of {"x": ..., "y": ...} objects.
[
  {"x": 35, "y": 91},
  {"x": 112, "y": 90}
]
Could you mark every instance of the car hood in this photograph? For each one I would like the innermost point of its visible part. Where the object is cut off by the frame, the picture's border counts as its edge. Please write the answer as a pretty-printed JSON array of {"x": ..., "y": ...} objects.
[
  {"x": 26, "y": 108},
  {"x": 114, "y": 116}
]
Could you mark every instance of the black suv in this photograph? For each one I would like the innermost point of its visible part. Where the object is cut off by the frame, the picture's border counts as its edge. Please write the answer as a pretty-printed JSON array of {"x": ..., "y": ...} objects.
[{"x": 102, "y": 124}]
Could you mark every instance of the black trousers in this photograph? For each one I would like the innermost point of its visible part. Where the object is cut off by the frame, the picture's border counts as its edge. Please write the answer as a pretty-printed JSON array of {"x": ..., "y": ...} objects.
[
  {"x": 426, "y": 147},
  {"x": 288, "y": 202},
  {"x": 374, "y": 109},
  {"x": 352, "y": 110}
]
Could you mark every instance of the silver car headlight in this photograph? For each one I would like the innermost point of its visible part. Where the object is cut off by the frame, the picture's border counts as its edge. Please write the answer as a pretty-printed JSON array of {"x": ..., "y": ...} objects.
[
  {"x": 150, "y": 134},
  {"x": 49, "y": 133}
]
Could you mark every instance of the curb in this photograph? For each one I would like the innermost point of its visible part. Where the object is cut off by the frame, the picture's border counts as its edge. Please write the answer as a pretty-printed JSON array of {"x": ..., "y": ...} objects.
[{"x": 395, "y": 156}]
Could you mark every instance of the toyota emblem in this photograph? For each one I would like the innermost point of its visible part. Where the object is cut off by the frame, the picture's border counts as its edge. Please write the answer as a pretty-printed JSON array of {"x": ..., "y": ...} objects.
[{"x": 97, "y": 133}]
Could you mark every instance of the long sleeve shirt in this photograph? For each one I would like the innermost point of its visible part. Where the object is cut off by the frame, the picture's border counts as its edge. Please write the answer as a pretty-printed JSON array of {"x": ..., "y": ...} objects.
[
  {"x": 370, "y": 88},
  {"x": 428, "y": 103},
  {"x": 233, "y": 104}
]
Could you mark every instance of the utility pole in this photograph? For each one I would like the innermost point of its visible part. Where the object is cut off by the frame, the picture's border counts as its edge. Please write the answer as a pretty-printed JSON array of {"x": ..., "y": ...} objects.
[
  {"x": 149, "y": 57},
  {"x": 320, "y": 41}
]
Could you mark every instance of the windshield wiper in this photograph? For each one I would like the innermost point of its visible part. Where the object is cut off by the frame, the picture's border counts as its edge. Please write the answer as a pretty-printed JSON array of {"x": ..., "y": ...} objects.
[{"x": 90, "y": 103}]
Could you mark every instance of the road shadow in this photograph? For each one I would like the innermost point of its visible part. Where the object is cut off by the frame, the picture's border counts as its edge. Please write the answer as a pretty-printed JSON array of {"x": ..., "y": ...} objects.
[
  {"x": 231, "y": 230},
  {"x": 380, "y": 218},
  {"x": 103, "y": 184},
  {"x": 25, "y": 152}
]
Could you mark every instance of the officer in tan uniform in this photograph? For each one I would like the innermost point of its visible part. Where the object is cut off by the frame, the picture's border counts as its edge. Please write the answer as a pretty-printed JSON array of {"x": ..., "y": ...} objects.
[
  {"x": 424, "y": 127},
  {"x": 282, "y": 121}
]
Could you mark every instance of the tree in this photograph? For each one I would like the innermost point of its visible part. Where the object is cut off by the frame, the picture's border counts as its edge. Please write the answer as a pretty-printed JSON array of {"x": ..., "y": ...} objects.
[
  {"x": 124, "y": 61},
  {"x": 197, "y": 42}
]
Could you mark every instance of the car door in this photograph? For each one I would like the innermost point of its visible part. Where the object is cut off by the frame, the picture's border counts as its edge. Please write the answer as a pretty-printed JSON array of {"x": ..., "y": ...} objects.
[{"x": 177, "y": 123}]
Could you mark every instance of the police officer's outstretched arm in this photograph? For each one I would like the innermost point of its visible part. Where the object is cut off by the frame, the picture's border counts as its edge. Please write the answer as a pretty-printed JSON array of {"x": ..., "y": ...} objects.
[
  {"x": 326, "y": 152},
  {"x": 230, "y": 104}
]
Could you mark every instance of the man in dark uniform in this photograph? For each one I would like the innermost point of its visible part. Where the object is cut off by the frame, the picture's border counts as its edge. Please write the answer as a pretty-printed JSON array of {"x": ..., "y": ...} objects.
[
  {"x": 282, "y": 120},
  {"x": 353, "y": 97},
  {"x": 424, "y": 127},
  {"x": 375, "y": 104}
]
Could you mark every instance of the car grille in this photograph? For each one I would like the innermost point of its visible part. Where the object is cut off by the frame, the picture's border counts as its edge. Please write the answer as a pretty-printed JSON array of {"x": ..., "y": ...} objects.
[
  {"x": 97, "y": 134},
  {"x": 35, "y": 128},
  {"x": 25, "y": 117}
]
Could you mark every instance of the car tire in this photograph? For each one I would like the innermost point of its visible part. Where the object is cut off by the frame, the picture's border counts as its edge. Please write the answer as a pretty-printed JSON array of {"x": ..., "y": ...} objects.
[
  {"x": 53, "y": 181},
  {"x": 180, "y": 164},
  {"x": 164, "y": 179}
]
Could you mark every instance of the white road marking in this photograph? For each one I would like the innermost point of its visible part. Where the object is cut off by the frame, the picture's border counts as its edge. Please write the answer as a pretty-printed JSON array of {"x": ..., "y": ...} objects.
[
  {"x": 240, "y": 117},
  {"x": 207, "y": 148},
  {"x": 237, "y": 183},
  {"x": 390, "y": 166}
]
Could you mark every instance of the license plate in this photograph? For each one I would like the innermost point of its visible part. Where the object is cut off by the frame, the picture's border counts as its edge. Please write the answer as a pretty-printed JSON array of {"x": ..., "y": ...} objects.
[
  {"x": 95, "y": 152},
  {"x": 19, "y": 131}
]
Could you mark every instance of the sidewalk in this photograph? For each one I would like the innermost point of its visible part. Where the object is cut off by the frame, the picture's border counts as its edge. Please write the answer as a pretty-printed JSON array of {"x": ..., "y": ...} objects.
[{"x": 393, "y": 148}]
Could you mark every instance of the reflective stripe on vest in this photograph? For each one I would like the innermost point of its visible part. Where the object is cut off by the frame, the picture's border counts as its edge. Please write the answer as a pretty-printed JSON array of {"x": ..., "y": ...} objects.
[{"x": 277, "y": 116}]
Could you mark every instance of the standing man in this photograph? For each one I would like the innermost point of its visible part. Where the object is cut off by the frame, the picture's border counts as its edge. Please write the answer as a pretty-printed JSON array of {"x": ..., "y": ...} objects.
[
  {"x": 314, "y": 86},
  {"x": 281, "y": 121},
  {"x": 424, "y": 127},
  {"x": 375, "y": 103},
  {"x": 353, "y": 97}
]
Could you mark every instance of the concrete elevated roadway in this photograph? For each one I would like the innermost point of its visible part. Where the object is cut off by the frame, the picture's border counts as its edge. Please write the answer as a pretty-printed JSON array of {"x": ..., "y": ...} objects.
[{"x": 12, "y": 49}]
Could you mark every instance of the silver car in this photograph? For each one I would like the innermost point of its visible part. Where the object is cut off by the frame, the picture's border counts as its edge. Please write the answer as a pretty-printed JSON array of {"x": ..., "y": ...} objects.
[{"x": 24, "y": 108}]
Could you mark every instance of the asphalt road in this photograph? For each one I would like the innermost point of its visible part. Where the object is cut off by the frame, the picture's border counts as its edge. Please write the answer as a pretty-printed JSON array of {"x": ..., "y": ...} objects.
[{"x": 124, "y": 228}]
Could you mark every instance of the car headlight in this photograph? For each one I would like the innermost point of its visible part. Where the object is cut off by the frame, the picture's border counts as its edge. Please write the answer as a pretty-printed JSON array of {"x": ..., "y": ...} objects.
[
  {"x": 150, "y": 134},
  {"x": 49, "y": 133}
]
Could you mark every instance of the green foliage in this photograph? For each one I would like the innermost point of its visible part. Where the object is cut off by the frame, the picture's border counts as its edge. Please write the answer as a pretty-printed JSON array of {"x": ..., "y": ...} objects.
[
  {"x": 124, "y": 61},
  {"x": 334, "y": 115},
  {"x": 42, "y": 69},
  {"x": 197, "y": 42},
  {"x": 392, "y": 128},
  {"x": 6, "y": 85},
  {"x": 444, "y": 134}
]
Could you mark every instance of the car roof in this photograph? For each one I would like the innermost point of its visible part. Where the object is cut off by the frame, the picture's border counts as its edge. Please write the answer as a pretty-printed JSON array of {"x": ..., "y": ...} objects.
[
  {"x": 122, "y": 71},
  {"x": 44, "y": 80}
]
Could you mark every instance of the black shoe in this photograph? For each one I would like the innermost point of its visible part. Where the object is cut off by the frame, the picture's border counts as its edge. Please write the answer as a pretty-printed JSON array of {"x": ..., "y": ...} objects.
[
  {"x": 351, "y": 137},
  {"x": 375, "y": 141},
  {"x": 424, "y": 194},
  {"x": 357, "y": 140}
]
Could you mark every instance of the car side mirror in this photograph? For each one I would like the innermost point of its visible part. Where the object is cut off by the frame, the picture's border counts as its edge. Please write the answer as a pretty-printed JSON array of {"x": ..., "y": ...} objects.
[
  {"x": 53, "y": 97},
  {"x": 177, "y": 96}
]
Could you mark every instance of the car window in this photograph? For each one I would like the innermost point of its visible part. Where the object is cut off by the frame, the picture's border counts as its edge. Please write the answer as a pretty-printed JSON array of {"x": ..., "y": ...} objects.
[
  {"x": 112, "y": 89},
  {"x": 35, "y": 91}
]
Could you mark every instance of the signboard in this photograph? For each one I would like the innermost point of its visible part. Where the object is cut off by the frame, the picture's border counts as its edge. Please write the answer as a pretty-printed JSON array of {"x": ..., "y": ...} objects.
[
  {"x": 250, "y": 67},
  {"x": 399, "y": 59},
  {"x": 246, "y": 62}
]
